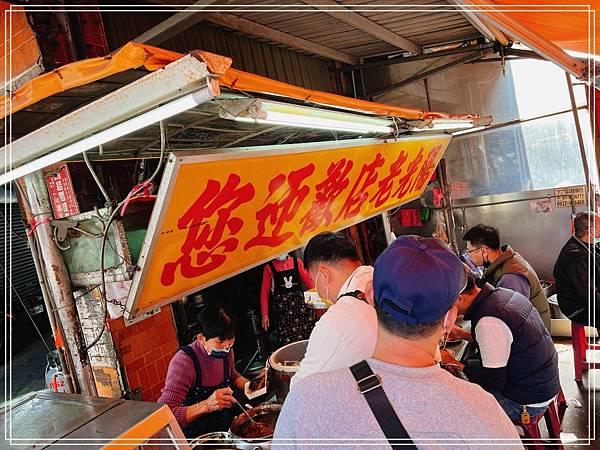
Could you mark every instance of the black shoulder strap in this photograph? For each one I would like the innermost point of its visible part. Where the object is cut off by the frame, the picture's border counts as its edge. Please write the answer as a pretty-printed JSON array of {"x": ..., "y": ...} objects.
[
  {"x": 188, "y": 350},
  {"x": 369, "y": 385},
  {"x": 359, "y": 295}
]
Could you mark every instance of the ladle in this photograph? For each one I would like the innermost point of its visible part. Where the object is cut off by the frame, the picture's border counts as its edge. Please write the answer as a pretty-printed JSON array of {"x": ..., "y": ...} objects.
[{"x": 245, "y": 412}]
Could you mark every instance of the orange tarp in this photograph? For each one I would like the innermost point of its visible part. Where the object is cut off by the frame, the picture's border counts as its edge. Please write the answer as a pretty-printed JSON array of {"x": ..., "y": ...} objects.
[
  {"x": 20, "y": 46},
  {"x": 130, "y": 56},
  {"x": 134, "y": 55},
  {"x": 564, "y": 24}
]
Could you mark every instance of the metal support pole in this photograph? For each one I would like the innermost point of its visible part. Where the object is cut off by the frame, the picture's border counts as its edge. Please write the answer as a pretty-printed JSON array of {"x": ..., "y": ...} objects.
[
  {"x": 387, "y": 227},
  {"x": 65, "y": 360},
  {"x": 448, "y": 216},
  {"x": 426, "y": 85},
  {"x": 584, "y": 158},
  {"x": 591, "y": 107},
  {"x": 431, "y": 72},
  {"x": 59, "y": 283}
]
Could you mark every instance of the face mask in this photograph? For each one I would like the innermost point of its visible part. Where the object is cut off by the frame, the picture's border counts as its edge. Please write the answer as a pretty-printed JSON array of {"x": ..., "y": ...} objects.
[
  {"x": 282, "y": 257},
  {"x": 326, "y": 288},
  {"x": 217, "y": 352}
]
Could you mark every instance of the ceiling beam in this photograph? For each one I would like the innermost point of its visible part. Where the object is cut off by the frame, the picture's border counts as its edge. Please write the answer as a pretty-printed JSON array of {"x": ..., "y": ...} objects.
[
  {"x": 263, "y": 32},
  {"x": 177, "y": 23},
  {"x": 362, "y": 23},
  {"x": 485, "y": 28}
]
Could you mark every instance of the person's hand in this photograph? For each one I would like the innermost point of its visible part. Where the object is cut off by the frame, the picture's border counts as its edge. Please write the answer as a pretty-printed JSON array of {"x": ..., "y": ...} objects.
[
  {"x": 458, "y": 333},
  {"x": 220, "y": 399},
  {"x": 265, "y": 322}
]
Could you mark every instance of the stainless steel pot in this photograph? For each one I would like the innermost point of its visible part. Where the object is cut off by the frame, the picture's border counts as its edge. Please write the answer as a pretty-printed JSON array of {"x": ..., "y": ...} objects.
[
  {"x": 218, "y": 440},
  {"x": 240, "y": 422}
]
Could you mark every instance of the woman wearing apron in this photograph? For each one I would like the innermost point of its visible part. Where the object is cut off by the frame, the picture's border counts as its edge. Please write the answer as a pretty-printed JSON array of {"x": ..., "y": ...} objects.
[
  {"x": 282, "y": 300},
  {"x": 199, "y": 383}
]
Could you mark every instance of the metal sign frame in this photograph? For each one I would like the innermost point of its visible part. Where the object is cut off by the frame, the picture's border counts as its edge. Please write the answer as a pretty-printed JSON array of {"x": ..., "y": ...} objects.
[{"x": 177, "y": 159}]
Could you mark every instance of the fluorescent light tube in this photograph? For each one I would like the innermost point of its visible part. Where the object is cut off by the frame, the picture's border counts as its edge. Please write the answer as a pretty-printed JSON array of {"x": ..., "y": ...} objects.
[
  {"x": 129, "y": 126},
  {"x": 317, "y": 123},
  {"x": 274, "y": 113}
]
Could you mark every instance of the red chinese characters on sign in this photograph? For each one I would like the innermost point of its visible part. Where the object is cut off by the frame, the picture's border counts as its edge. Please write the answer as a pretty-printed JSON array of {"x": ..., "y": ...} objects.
[
  {"x": 61, "y": 193},
  {"x": 282, "y": 207},
  {"x": 387, "y": 183},
  {"x": 406, "y": 181},
  {"x": 211, "y": 228},
  {"x": 327, "y": 191},
  {"x": 359, "y": 193},
  {"x": 406, "y": 176},
  {"x": 427, "y": 168}
]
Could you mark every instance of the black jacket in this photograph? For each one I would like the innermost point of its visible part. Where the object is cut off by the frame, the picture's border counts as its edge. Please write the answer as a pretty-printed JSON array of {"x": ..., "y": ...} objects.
[{"x": 573, "y": 285}]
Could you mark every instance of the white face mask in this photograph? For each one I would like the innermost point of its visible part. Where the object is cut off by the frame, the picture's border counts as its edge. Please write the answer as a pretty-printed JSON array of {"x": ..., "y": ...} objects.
[
  {"x": 326, "y": 288},
  {"x": 282, "y": 257}
]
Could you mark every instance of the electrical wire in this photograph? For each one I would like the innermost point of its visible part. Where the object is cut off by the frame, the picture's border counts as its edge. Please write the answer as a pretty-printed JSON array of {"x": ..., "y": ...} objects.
[
  {"x": 107, "y": 227},
  {"x": 96, "y": 179},
  {"x": 25, "y": 308}
]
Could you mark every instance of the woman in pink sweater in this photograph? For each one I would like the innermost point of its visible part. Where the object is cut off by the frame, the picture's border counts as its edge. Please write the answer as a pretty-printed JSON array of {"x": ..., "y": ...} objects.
[{"x": 198, "y": 388}]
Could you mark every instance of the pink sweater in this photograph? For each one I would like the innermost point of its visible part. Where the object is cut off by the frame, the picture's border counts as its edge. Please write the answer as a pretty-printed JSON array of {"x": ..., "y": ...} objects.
[{"x": 181, "y": 377}]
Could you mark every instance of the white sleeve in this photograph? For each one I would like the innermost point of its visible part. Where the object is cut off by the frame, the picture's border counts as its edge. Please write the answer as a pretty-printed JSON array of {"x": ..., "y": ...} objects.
[
  {"x": 322, "y": 347},
  {"x": 494, "y": 339}
]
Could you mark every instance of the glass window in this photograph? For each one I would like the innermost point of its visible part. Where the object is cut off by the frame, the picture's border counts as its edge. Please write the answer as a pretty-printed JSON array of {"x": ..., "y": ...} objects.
[{"x": 539, "y": 154}]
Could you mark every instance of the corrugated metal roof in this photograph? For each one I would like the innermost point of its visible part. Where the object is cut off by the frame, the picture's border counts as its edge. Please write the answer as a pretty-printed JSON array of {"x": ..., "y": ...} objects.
[{"x": 423, "y": 22}]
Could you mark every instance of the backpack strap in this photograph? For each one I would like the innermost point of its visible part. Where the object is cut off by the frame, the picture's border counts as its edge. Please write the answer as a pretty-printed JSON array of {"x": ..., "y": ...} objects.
[{"x": 369, "y": 385}]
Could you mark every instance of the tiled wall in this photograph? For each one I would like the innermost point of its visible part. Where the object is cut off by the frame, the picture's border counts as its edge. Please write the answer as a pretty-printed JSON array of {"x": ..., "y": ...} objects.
[{"x": 145, "y": 349}]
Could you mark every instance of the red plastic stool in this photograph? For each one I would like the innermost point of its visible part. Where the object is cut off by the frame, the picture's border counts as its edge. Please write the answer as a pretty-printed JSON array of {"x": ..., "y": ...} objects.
[
  {"x": 532, "y": 429},
  {"x": 580, "y": 346},
  {"x": 561, "y": 406}
]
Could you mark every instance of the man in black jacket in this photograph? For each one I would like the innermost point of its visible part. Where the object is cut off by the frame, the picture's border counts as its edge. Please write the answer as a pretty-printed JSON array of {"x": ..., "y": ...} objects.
[{"x": 578, "y": 297}]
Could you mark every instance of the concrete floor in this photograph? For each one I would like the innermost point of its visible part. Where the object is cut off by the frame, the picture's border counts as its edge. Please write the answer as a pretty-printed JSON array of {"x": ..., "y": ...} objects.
[{"x": 581, "y": 418}]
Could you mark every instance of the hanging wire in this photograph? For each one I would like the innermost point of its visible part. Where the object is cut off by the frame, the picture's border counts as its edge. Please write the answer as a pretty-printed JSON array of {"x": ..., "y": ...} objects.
[
  {"x": 96, "y": 179},
  {"x": 25, "y": 308},
  {"x": 107, "y": 228}
]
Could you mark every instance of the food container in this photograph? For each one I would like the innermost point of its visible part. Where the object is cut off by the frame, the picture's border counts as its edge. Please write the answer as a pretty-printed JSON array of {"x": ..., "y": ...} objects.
[
  {"x": 284, "y": 363},
  {"x": 314, "y": 300},
  {"x": 218, "y": 440},
  {"x": 244, "y": 432}
]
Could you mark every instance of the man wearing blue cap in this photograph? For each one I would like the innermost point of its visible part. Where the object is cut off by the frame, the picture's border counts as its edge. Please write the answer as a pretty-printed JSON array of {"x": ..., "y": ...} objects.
[{"x": 401, "y": 394}]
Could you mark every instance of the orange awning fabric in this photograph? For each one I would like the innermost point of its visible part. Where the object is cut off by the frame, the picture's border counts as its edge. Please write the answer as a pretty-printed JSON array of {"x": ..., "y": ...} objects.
[
  {"x": 569, "y": 26},
  {"x": 550, "y": 28},
  {"x": 134, "y": 55}
]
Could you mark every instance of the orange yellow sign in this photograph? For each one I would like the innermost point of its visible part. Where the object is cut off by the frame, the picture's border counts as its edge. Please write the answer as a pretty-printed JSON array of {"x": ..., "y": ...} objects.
[{"x": 222, "y": 214}]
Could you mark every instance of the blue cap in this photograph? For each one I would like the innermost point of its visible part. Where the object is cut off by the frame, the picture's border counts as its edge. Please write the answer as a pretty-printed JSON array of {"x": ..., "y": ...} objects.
[{"x": 417, "y": 279}]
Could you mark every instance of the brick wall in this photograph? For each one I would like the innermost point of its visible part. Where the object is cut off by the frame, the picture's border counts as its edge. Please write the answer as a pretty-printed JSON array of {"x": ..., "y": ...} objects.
[{"x": 145, "y": 349}]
